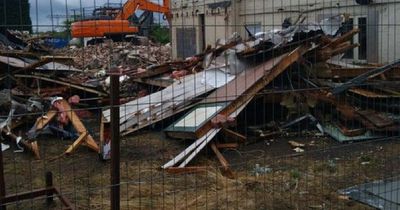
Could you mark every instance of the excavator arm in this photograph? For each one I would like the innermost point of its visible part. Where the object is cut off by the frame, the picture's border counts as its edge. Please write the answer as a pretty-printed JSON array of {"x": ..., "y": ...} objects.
[
  {"x": 120, "y": 25},
  {"x": 131, "y": 6}
]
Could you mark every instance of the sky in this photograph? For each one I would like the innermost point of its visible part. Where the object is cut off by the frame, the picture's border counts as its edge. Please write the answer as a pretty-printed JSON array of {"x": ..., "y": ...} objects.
[{"x": 42, "y": 9}]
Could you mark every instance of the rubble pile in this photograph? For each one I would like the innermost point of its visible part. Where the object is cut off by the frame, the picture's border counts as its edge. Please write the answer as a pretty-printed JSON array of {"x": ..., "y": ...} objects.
[
  {"x": 347, "y": 102},
  {"x": 123, "y": 54}
]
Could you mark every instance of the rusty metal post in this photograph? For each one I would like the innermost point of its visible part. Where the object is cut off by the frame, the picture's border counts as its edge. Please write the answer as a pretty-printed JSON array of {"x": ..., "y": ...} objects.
[
  {"x": 49, "y": 185},
  {"x": 2, "y": 182},
  {"x": 115, "y": 143}
]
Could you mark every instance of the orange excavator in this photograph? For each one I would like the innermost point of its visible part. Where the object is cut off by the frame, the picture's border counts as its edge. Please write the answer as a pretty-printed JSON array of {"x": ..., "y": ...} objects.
[{"x": 115, "y": 22}]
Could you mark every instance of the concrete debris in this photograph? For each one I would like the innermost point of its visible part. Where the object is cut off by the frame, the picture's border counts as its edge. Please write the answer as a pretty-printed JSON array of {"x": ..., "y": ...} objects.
[
  {"x": 295, "y": 144},
  {"x": 298, "y": 150}
]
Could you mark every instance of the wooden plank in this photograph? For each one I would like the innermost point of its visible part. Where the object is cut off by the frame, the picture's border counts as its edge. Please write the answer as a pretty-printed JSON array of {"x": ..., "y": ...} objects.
[
  {"x": 221, "y": 158},
  {"x": 234, "y": 135},
  {"x": 376, "y": 118},
  {"x": 345, "y": 37},
  {"x": 371, "y": 94},
  {"x": 80, "y": 128},
  {"x": 225, "y": 165},
  {"x": 44, "y": 120},
  {"x": 86, "y": 89},
  {"x": 76, "y": 143}
]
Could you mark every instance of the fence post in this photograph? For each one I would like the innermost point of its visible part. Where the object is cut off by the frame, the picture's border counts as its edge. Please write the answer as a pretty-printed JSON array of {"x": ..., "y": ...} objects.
[
  {"x": 115, "y": 150},
  {"x": 49, "y": 185}
]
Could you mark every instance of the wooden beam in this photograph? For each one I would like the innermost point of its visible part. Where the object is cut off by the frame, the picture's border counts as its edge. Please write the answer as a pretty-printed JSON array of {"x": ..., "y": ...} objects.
[
  {"x": 345, "y": 37},
  {"x": 234, "y": 135},
  {"x": 76, "y": 143},
  {"x": 44, "y": 120},
  {"x": 79, "y": 127},
  {"x": 86, "y": 89},
  {"x": 225, "y": 165}
]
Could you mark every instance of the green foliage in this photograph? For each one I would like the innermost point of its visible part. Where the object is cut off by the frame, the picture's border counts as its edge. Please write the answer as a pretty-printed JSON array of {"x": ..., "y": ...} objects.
[
  {"x": 15, "y": 15},
  {"x": 160, "y": 34}
]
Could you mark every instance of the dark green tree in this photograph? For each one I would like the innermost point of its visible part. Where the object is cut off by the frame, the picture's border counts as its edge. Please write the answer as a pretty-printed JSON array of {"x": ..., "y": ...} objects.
[{"x": 14, "y": 14}]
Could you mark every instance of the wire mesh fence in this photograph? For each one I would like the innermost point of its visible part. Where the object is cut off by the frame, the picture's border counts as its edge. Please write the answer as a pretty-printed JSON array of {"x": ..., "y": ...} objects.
[{"x": 202, "y": 104}]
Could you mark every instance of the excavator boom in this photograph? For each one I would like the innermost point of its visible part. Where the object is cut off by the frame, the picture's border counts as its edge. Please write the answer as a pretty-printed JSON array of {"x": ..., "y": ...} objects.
[{"x": 131, "y": 6}]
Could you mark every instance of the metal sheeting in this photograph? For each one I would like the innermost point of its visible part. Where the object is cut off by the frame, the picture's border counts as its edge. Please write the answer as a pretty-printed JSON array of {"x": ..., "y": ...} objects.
[{"x": 383, "y": 194}]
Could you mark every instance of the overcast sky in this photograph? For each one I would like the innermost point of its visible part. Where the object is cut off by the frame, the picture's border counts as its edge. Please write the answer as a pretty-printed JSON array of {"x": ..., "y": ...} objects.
[{"x": 42, "y": 9}]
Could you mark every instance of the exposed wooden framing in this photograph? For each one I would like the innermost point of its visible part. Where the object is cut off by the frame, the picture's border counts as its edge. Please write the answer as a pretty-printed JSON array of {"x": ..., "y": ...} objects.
[
  {"x": 86, "y": 89},
  {"x": 225, "y": 165},
  {"x": 234, "y": 135}
]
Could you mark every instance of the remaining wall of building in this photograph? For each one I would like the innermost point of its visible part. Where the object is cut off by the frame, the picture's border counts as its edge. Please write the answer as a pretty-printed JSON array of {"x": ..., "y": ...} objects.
[
  {"x": 382, "y": 32},
  {"x": 211, "y": 20}
]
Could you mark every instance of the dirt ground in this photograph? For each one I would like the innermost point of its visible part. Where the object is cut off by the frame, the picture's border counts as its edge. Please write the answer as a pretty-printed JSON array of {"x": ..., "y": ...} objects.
[{"x": 284, "y": 179}]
